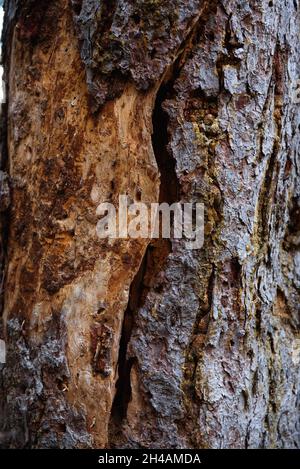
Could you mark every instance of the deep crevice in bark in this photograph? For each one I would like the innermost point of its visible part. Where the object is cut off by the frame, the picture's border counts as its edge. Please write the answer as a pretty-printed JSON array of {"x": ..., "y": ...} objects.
[
  {"x": 154, "y": 258},
  {"x": 123, "y": 388},
  {"x": 268, "y": 188},
  {"x": 158, "y": 250},
  {"x": 169, "y": 186}
]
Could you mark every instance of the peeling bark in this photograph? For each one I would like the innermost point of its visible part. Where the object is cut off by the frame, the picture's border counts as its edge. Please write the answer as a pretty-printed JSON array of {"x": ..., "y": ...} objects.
[{"x": 140, "y": 343}]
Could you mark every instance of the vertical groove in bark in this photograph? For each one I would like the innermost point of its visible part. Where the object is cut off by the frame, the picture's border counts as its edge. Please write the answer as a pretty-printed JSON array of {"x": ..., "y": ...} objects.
[
  {"x": 169, "y": 186},
  {"x": 153, "y": 261},
  {"x": 123, "y": 388}
]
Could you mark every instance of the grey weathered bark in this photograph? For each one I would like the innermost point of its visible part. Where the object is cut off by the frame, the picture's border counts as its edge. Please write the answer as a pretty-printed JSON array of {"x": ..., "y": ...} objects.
[{"x": 135, "y": 343}]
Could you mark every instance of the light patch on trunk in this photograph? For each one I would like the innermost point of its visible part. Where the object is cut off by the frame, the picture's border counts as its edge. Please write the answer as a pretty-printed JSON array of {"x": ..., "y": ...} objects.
[{"x": 2, "y": 351}]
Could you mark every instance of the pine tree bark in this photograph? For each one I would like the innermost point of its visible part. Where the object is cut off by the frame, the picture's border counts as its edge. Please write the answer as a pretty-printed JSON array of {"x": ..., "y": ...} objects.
[{"x": 134, "y": 343}]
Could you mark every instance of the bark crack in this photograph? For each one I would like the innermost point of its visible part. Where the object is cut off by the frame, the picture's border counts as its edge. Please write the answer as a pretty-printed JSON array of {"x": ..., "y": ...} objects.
[
  {"x": 156, "y": 254},
  {"x": 268, "y": 188},
  {"x": 123, "y": 388}
]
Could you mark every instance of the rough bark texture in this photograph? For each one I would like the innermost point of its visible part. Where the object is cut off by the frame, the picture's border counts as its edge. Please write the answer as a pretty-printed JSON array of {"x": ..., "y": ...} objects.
[{"x": 135, "y": 343}]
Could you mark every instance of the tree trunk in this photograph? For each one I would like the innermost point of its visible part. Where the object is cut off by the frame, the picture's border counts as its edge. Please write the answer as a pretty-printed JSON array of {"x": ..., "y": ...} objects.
[{"x": 134, "y": 343}]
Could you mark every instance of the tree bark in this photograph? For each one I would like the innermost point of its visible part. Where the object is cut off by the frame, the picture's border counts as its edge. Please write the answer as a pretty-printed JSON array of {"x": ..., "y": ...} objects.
[{"x": 134, "y": 343}]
